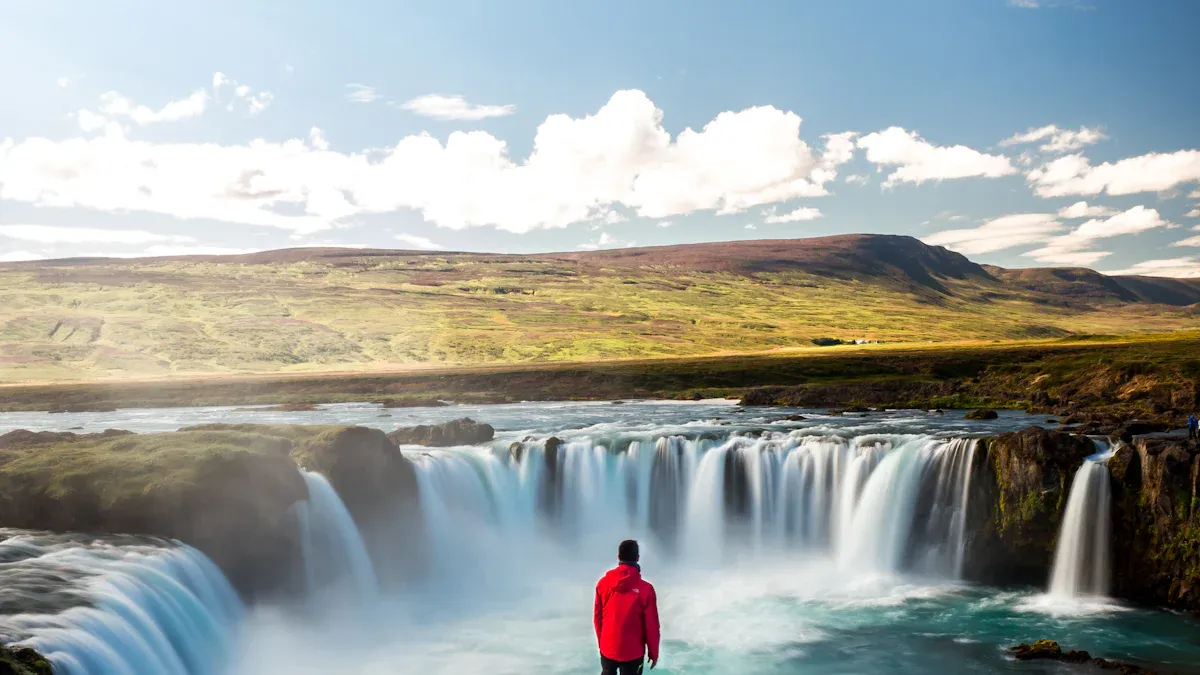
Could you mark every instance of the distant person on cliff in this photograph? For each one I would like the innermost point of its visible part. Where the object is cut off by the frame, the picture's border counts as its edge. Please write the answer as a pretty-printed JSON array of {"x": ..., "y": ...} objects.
[
  {"x": 626, "y": 616},
  {"x": 1193, "y": 427}
]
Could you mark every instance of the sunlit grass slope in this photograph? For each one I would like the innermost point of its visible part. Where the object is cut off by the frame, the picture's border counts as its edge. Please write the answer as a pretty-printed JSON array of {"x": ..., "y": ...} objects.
[{"x": 330, "y": 310}]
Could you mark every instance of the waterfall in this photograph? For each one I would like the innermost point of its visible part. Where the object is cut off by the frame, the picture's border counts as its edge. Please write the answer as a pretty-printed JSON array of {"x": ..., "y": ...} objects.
[
  {"x": 153, "y": 608},
  {"x": 335, "y": 556},
  {"x": 882, "y": 503},
  {"x": 1081, "y": 559}
]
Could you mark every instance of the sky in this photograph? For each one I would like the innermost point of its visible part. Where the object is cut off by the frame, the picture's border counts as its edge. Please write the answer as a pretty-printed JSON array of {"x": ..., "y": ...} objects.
[{"x": 1020, "y": 133}]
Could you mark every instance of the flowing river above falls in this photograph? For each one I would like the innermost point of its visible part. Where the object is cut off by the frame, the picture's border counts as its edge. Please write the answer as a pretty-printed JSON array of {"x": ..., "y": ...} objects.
[{"x": 832, "y": 544}]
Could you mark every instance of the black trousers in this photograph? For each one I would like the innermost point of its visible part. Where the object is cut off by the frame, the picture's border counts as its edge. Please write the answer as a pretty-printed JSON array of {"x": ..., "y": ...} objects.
[{"x": 610, "y": 667}]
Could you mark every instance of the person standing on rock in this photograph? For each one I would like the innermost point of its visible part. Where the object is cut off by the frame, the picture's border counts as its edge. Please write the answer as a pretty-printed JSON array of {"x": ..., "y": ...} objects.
[
  {"x": 1193, "y": 427},
  {"x": 626, "y": 616}
]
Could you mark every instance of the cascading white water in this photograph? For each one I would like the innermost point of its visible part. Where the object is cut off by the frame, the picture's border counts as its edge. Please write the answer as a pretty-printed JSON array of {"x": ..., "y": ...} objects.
[
  {"x": 136, "y": 609},
  {"x": 1081, "y": 559},
  {"x": 706, "y": 501},
  {"x": 335, "y": 556}
]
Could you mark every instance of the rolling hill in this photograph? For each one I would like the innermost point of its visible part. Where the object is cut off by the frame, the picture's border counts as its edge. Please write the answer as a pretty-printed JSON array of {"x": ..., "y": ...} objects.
[{"x": 314, "y": 310}]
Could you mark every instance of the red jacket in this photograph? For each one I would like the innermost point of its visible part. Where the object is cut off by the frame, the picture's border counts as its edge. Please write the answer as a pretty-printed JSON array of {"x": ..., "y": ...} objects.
[{"x": 626, "y": 615}]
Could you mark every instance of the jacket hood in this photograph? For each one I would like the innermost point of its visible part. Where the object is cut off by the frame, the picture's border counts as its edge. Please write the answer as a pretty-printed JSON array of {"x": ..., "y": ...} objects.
[{"x": 623, "y": 577}]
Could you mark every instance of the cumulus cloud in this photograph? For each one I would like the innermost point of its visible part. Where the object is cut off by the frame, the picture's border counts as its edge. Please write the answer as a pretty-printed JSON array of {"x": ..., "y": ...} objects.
[
  {"x": 115, "y": 105},
  {"x": 797, "y": 215},
  {"x": 1190, "y": 241},
  {"x": 1182, "y": 268},
  {"x": 919, "y": 160},
  {"x": 751, "y": 226},
  {"x": 1153, "y": 172},
  {"x": 579, "y": 169},
  {"x": 419, "y": 242},
  {"x": 1069, "y": 249},
  {"x": 1017, "y": 229},
  {"x": 362, "y": 93},
  {"x": 46, "y": 234},
  {"x": 1082, "y": 210},
  {"x": 443, "y": 107},
  {"x": 1057, "y": 140},
  {"x": 858, "y": 179}
]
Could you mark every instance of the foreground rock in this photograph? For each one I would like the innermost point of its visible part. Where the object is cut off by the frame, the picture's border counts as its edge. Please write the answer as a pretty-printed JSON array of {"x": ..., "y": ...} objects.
[
  {"x": 228, "y": 490},
  {"x": 465, "y": 431},
  {"x": 1024, "y": 484},
  {"x": 1049, "y": 650},
  {"x": 23, "y": 661},
  {"x": 1156, "y": 520}
]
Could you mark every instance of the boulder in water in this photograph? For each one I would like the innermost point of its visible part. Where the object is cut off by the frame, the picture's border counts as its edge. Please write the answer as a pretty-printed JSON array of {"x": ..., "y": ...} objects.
[
  {"x": 982, "y": 414},
  {"x": 412, "y": 403},
  {"x": 1049, "y": 650},
  {"x": 23, "y": 661},
  {"x": 464, "y": 431}
]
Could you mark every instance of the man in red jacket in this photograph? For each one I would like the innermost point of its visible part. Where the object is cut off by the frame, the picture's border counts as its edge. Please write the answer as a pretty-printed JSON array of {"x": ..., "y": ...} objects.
[{"x": 626, "y": 616}]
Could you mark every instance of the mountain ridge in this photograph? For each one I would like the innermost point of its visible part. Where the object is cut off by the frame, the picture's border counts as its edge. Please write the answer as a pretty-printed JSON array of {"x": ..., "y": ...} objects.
[{"x": 302, "y": 310}]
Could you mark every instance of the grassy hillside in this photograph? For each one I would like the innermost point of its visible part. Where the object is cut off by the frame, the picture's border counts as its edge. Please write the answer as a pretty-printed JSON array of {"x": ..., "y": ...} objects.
[{"x": 338, "y": 310}]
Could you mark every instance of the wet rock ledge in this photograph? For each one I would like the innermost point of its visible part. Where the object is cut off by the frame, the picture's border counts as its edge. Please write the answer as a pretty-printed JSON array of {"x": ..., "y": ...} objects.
[{"x": 23, "y": 661}]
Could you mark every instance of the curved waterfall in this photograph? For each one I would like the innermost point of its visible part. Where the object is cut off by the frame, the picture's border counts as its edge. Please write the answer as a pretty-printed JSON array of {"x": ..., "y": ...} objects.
[
  {"x": 117, "y": 605},
  {"x": 876, "y": 504}
]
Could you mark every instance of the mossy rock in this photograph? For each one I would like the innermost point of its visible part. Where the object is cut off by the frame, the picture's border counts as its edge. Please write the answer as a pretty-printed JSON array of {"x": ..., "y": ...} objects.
[{"x": 23, "y": 661}]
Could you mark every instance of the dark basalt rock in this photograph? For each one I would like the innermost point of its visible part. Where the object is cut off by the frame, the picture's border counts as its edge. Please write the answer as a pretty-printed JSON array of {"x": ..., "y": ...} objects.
[
  {"x": 1049, "y": 650},
  {"x": 1156, "y": 519},
  {"x": 412, "y": 403},
  {"x": 1022, "y": 492},
  {"x": 464, "y": 431},
  {"x": 23, "y": 661},
  {"x": 982, "y": 414}
]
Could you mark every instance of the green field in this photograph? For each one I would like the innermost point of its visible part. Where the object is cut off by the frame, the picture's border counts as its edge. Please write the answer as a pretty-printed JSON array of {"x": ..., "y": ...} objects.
[{"x": 370, "y": 311}]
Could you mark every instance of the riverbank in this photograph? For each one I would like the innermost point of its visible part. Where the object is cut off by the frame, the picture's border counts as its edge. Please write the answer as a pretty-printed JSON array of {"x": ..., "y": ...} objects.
[{"x": 1100, "y": 378}]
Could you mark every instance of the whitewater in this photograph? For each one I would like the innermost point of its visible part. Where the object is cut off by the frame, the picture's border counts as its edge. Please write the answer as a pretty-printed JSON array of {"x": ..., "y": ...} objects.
[{"x": 828, "y": 544}]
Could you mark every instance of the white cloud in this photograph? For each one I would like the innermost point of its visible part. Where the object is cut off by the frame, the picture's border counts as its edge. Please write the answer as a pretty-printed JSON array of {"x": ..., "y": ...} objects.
[
  {"x": 579, "y": 170},
  {"x": 1082, "y": 210},
  {"x": 18, "y": 256},
  {"x": 1190, "y": 241},
  {"x": 255, "y": 102},
  {"x": 443, "y": 107},
  {"x": 1057, "y": 256},
  {"x": 419, "y": 242},
  {"x": 1154, "y": 172},
  {"x": 1057, "y": 140},
  {"x": 920, "y": 161},
  {"x": 362, "y": 93},
  {"x": 116, "y": 105},
  {"x": 1069, "y": 248},
  {"x": 605, "y": 240},
  {"x": 802, "y": 213},
  {"x": 858, "y": 179},
  {"x": 1027, "y": 4},
  {"x": 998, "y": 234},
  {"x": 46, "y": 234},
  {"x": 666, "y": 223},
  {"x": 1170, "y": 267},
  {"x": 1194, "y": 213},
  {"x": 751, "y": 227},
  {"x": 64, "y": 82}
]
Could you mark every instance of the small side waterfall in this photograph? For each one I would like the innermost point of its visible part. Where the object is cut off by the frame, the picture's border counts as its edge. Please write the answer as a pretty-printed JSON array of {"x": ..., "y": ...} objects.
[
  {"x": 334, "y": 552},
  {"x": 1082, "y": 559}
]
